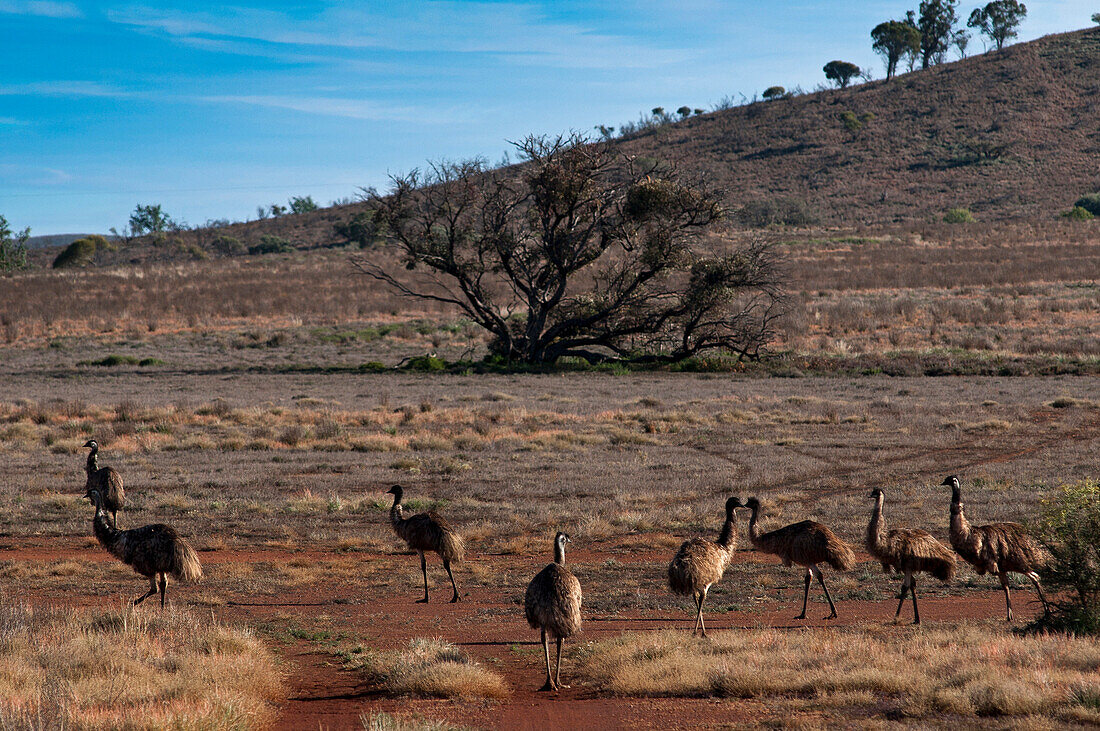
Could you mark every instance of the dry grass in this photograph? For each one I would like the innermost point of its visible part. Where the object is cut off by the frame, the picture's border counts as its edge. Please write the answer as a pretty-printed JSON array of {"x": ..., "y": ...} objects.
[
  {"x": 114, "y": 669},
  {"x": 967, "y": 670},
  {"x": 430, "y": 667}
]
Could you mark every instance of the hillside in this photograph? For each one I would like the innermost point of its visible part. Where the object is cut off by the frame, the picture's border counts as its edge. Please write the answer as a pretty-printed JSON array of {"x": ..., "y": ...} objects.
[{"x": 1009, "y": 135}]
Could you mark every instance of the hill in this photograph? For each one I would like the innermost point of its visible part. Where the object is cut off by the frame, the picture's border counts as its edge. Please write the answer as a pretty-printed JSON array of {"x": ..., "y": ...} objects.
[{"x": 1009, "y": 135}]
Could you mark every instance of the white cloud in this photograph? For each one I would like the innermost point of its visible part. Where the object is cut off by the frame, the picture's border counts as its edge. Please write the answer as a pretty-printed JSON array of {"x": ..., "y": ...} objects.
[
  {"x": 43, "y": 8},
  {"x": 334, "y": 107},
  {"x": 63, "y": 89}
]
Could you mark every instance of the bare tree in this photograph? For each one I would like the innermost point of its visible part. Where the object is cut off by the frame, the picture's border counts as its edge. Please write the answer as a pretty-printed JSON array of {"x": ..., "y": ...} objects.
[{"x": 579, "y": 251}]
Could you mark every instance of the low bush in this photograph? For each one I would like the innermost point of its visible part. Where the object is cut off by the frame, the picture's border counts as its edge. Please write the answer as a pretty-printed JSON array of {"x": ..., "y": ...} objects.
[
  {"x": 1090, "y": 203},
  {"x": 1078, "y": 213},
  {"x": 777, "y": 212},
  {"x": 270, "y": 244},
  {"x": 429, "y": 667},
  {"x": 958, "y": 215},
  {"x": 81, "y": 252},
  {"x": 229, "y": 246},
  {"x": 1070, "y": 530}
]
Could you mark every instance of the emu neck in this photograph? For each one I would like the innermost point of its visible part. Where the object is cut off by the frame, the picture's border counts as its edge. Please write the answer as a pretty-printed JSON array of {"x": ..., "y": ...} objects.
[
  {"x": 105, "y": 532},
  {"x": 93, "y": 462},
  {"x": 754, "y": 529},
  {"x": 876, "y": 529},
  {"x": 559, "y": 553},
  {"x": 727, "y": 539},
  {"x": 960, "y": 526},
  {"x": 397, "y": 516}
]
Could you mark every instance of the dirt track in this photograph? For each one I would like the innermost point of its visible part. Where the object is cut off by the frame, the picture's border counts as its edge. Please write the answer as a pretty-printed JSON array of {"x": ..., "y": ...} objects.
[{"x": 489, "y": 624}]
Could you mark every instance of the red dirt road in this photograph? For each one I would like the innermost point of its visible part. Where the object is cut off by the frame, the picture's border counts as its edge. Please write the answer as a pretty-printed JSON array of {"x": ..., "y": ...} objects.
[{"x": 489, "y": 624}]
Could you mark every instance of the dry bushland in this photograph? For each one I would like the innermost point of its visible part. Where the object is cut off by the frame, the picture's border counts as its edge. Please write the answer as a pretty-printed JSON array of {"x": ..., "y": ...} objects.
[
  {"x": 963, "y": 671},
  {"x": 88, "y": 669},
  {"x": 428, "y": 667}
]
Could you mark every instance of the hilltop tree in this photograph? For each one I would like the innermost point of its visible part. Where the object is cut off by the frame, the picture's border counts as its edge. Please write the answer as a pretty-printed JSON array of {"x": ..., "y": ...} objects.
[
  {"x": 841, "y": 72},
  {"x": 150, "y": 219},
  {"x": 302, "y": 204},
  {"x": 13, "y": 247},
  {"x": 937, "y": 24},
  {"x": 580, "y": 252},
  {"x": 894, "y": 39},
  {"x": 774, "y": 92},
  {"x": 998, "y": 20},
  {"x": 684, "y": 112}
]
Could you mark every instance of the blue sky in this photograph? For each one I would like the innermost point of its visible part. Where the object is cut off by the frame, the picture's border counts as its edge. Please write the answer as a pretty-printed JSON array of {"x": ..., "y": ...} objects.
[{"x": 212, "y": 109}]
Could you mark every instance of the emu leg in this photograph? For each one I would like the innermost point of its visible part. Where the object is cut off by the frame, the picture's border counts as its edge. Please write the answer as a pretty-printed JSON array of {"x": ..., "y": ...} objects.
[
  {"x": 163, "y": 588},
  {"x": 447, "y": 565},
  {"x": 901, "y": 598},
  {"x": 557, "y": 668},
  {"x": 423, "y": 570},
  {"x": 821, "y": 579},
  {"x": 548, "y": 685},
  {"x": 1008, "y": 601},
  {"x": 151, "y": 592},
  {"x": 695, "y": 597},
  {"x": 1035, "y": 580},
  {"x": 702, "y": 625},
  {"x": 913, "y": 593},
  {"x": 805, "y": 594}
]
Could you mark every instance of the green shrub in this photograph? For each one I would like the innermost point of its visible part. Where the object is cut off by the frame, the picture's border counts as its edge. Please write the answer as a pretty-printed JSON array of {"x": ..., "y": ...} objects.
[
  {"x": 1077, "y": 213},
  {"x": 229, "y": 246},
  {"x": 1090, "y": 203},
  {"x": 958, "y": 215},
  {"x": 82, "y": 252},
  {"x": 270, "y": 244},
  {"x": 360, "y": 229},
  {"x": 426, "y": 363},
  {"x": 112, "y": 360},
  {"x": 774, "y": 92},
  {"x": 1070, "y": 529}
]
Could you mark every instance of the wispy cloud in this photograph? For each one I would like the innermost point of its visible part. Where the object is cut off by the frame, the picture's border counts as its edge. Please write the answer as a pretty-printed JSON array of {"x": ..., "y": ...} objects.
[
  {"x": 64, "y": 89},
  {"x": 43, "y": 8},
  {"x": 12, "y": 122},
  {"x": 32, "y": 175},
  {"x": 335, "y": 107},
  {"x": 507, "y": 30}
]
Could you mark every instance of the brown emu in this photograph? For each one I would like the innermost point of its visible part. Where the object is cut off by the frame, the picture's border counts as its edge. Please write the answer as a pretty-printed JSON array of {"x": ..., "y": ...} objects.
[
  {"x": 427, "y": 532},
  {"x": 155, "y": 551},
  {"x": 553, "y": 605},
  {"x": 806, "y": 543},
  {"x": 106, "y": 480},
  {"x": 907, "y": 551},
  {"x": 996, "y": 548},
  {"x": 700, "y": 563}
]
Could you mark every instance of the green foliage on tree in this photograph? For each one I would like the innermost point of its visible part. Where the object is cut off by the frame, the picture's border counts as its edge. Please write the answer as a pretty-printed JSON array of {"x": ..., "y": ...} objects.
[
  {"x": 579, "y": 253},
  {"x": 855, "y": 123},
  {"x": 13, "y": 247},
  {"x": 684, "y": 112},
  {"x": 1096, "y": 18},
  {"x": 270, "y": 244},
  {"x": 936, "y": 21},
  {"x": 1090, "y": 203},
  {"x": 82, "y": 252},
  {"x": 998, "y": 20},
  {"x": 150, "y": 219},
  {"x": 361, "y": 229},
  {"x": 1070, "y": 530},
  {"x": 301, "y": 204},
  {"x": 840, "y": 72},
  {"x": 1077, "y": 213},
  {"x": 894, "y": 40},
  {"x": 774, "y": 92}
]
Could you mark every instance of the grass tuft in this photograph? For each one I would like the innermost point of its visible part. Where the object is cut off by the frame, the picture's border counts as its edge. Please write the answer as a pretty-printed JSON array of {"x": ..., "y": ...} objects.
[{"x": 429, "y": 667}]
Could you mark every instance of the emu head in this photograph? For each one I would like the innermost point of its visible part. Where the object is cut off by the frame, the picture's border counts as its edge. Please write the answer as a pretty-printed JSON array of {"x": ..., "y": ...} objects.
[
  {"x": 91, "y": 444},
  {"x": 562, "y": 538},
  {"x": 951, "y": 481},
  {"x": 733, "y": 502},
  {"x": 93, "y": 495},
  {"x": 876, "y": 493},
  {"x": 396, "y": 491},
  {"x": 752, "y": 504}
]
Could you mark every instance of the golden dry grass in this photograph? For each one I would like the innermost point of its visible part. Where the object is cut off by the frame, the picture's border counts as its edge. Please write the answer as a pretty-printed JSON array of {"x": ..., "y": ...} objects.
[
  {"x": 120, "y": 669},
  {"x": 400, "y": 722},
  {"x": 429, "y": 667},
  {"x": 967, "y": 670}
]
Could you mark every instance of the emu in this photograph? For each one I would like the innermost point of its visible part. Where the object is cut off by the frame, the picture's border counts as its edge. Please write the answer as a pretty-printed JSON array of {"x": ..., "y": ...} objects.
[
  {"x": 106, "y": 480},
  {"x": 700, "y": 563},
  {"x": 907, "y": 551},
  {"x": 427, "y": 532},
  {"x": 553, "y": 605},
  {"x": 155, "y": 551},
  {"x": 996, "y": 548},
  {"x": 806, "y": 543}
]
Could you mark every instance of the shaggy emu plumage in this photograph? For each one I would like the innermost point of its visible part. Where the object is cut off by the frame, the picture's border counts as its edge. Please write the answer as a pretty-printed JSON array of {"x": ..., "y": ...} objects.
[
  {"x": 806, "y": 543},
  {"x": 553, "y": 605},
  {"x": 907, "y": 551},
  {"x": 996, "y": 548},
  {"x": 155, "y": 551},
  {"x": 106, "y": 480},
  {"x": 700, "y": 563},
  {"x": 427, "y": 532}
]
